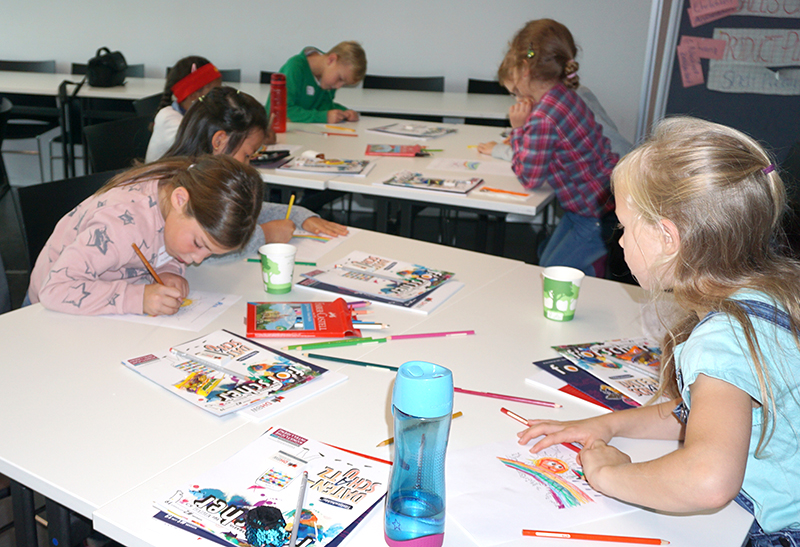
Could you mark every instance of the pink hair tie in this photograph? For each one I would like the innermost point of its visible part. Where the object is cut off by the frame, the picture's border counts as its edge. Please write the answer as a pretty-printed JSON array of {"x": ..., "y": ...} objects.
[
  {"x": 569, "y": 77},
  {"x": 768, "y": 169}
]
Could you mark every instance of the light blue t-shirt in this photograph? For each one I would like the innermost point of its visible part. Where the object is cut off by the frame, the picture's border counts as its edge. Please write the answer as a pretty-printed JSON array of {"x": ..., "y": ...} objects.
[{"x": 718, "y": 349}]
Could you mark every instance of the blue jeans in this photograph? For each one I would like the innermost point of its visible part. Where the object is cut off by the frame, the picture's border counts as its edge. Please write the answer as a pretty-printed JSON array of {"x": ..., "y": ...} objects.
[
  {"x": 759, "y": 538},
  {"x": 576, "y": 242}
]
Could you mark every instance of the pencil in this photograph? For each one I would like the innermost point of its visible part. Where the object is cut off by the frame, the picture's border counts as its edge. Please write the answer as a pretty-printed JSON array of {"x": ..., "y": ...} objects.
[
  {"x": 147, "y": 264},
  {"x": 499, "y": 191},
  {"x": 289, "y": 210},
  {"x": 305, "y": 263},
  {"x": 507, "y": 397},
  {"x": 299, "y": 510},
  {"x": 341, "y": 128},
  {"x": 430, "y": 335},
  {"x": 594, "y": 537},
  {"x": 358, "y": 304},
  {"x": 369, "y": 325},
  {"x": 390, "y": 440},
  {"x": 432, "y": 150},
  {"x": 338, "y": 343},
  {"x": 328, "y": 133},
  {"x": 347, "y": 361}
]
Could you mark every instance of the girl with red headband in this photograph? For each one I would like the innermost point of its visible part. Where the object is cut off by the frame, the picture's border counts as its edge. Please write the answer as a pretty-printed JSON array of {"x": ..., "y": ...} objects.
[{"x": 190, "y": 78}]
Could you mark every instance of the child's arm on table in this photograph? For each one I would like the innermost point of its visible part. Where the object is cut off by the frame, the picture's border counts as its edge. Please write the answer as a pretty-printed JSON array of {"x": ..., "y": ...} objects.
[{"x": 705, "y": 473}]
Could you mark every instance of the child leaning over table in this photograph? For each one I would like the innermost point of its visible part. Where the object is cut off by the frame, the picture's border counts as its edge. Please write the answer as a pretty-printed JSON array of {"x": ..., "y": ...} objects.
[
  {"x": 178, "y": 211},
  {"x": 557, "y": 141},
  {"x": 731, "y": 361},
  {"x": 312, "y": 78},
  {"x": 231, "y": 122}
]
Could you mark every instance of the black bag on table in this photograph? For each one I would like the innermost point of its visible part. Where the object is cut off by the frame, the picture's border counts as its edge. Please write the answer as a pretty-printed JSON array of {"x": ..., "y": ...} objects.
[{"x": 106, "y": 69}]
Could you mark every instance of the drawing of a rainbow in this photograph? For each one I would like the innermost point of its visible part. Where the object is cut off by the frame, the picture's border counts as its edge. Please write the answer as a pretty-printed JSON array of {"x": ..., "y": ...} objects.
[{"x": 564, "y": 493}]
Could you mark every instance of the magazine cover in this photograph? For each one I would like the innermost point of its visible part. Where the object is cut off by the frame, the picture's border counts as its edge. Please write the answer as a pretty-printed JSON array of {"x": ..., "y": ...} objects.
[
  {"x": 300, "y": 319},
  {"x": 326, "y": 165},
  {"x": 410, "y": 179},
  {"x": 340, "y": 488},
  {"x": 414, "y": 130},
  {"x": 400, "y": 150}
]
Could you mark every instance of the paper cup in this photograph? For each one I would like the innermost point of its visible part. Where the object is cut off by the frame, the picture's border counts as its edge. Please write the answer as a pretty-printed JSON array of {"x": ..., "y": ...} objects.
[
  {"x": 561, "y": 286},
  {"x": 277, "y": 266}
]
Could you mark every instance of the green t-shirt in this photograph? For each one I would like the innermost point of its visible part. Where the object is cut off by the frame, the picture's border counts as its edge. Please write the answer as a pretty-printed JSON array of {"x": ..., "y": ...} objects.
[{"x": 306, "y": 101}]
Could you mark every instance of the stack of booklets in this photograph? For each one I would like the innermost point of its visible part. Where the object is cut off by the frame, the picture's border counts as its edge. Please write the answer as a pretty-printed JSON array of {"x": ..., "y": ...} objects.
[
  {"x": 398, "y": 150},
  {"x": 615, "y": 374},
  {"x": 413, "y": 130},
  {"x": 342, "y": 487},
  {"x": 223, "y": 372},
  {"x": 410, "y": 179},
  {"x": 300, "y": 320},
  {"x": 384, "y": 280},
  {"x": 328, "y": 166}
]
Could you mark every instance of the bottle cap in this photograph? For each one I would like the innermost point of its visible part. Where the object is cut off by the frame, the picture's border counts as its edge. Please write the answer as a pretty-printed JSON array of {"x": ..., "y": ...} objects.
[
  {"x": 423, "y": 390},
  {"x": 277, "y": 78}
]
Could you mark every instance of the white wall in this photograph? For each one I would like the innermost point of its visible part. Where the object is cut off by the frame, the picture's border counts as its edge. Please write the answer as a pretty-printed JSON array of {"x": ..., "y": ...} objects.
[{"x": 457, "y": 38}]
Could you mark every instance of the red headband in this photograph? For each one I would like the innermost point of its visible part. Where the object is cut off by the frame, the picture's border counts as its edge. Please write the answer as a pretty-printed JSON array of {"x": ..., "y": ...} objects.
[{"x": 195, "y": 80}]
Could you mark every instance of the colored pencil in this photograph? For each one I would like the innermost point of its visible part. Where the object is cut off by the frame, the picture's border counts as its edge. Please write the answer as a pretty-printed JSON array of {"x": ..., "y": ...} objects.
[
  {"x": 594, "y": 537},
  {"x": 147, "y": 264},
  {"x": 347, "y": 361},
  {"x": 341, "y": 128},
  {"x": 338, "y": 343},
  {"x": 430, "y": 335},
  {"x": 524, "y": 422},
  {"x": 305, "y": 263},
  {"x": 499, "y": 191},
  {"x": 331, "y": 134},
  {"x": 369, "y": 325},
  {"x": 289, "y": 210},
  {"x": 361, "y": 312},
  {"x": 390, "y": 440},
  {"x": 373, "y": 458},
  {"x": 254, "y": 260},
  {"x": 358, "y": 304},
  {"x": 299, "y": 510},
  {"x": 432, "y": 150},
  {"x": 507, "y": 397}
]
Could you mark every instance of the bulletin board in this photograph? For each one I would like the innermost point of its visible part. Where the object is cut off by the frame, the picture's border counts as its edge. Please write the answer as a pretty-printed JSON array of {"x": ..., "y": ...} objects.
[{"x": 754, "y": 85}]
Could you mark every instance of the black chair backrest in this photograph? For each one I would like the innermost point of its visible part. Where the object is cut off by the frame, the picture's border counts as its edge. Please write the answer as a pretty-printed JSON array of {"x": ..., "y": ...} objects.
[
  {"x": 29, "y": 66},
  {"x": 486, "y": 87},
  {"x": 266, "y": 75},
  {"x": 405, "y": 83},
  {"x": 228, "y": 75},
  {"x": 41, "y": 206},
  {"x": 133, "y": 71},
  {"x": 147, "y": 106},
  {"x": 5, "y": 113},
  {"x": 115, "y": 144}
]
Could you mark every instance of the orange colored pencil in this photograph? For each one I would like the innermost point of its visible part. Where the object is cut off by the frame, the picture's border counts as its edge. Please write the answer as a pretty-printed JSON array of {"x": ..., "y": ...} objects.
[
  {"x": 594, "y": 537},
  {"x": 147, "y": 264}
]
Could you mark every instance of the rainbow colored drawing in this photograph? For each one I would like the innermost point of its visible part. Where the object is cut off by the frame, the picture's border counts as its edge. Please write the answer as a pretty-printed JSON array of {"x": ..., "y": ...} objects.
[{"x": 564, "y": 493}]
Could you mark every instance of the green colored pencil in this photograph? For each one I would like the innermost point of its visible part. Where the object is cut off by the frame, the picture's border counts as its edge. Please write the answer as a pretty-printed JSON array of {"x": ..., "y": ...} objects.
[
  {"x": 347, "y": 361},
  {"x": 338, "y": 343}
]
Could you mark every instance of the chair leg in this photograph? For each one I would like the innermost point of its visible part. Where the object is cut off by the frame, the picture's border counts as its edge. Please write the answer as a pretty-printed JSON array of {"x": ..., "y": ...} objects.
[{"x": 24, "y": 515}]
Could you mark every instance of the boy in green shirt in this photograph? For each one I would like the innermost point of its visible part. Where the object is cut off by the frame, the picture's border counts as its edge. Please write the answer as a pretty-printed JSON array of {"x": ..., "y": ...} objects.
[{"x": 312, "y": 78}]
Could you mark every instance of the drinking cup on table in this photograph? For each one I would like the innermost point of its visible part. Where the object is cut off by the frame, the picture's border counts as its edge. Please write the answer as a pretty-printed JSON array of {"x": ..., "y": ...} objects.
[
  {"x": 277, "y": 266},
  {"x": 561, "y": 286}
]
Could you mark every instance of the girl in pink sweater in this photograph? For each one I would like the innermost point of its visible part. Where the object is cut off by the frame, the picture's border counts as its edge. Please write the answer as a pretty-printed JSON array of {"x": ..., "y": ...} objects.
[{"x": 175, "y": 211}]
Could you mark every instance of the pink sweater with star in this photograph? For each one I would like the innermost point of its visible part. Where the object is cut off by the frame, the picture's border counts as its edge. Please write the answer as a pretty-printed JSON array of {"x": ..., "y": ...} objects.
[{"x": 88, "y": 265}]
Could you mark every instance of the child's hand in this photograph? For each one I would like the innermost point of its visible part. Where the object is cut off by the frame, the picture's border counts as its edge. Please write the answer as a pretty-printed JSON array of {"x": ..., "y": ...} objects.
[
  {"x": 519, "y": 112},
  {"x": 596, "y": 457},
  {"x": 176, "y": 281},
  {"x": 278, "y": 231},
  {"x": 317, "y": 225},
  {"x": 351, "y": 115},
  {"x": 486, "y": 147},
  {"x": 336, "y": 116},
  {"x": 270, "y": 137},
  {"x": 586, "y": 432},
  {"x": 161, "y": 299}
]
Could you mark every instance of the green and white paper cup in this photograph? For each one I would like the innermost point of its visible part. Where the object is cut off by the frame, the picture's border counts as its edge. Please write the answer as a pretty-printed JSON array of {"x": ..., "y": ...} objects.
[
  {"x": 561, "y": 286},
  {"x": 277, "y": 266}
]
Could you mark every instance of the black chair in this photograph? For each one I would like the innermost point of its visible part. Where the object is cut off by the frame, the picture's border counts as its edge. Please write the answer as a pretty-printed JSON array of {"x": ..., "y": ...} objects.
[
  {"x": 486, "y": 87},
  {"x": 5, "y": 113},
  {"x": 116, "y": 144},
  {"x": 41, "y": 206},
  {"x": 147, "y": 106},
  {"x": 266, "y": 75},
  {"x": 790, "y": 173},
  {"x": 405, "y": 83},
  {"x": 228, "y": 75}
]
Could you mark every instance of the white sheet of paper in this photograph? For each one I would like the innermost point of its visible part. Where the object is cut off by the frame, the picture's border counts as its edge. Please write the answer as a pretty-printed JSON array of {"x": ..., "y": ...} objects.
[
  {"x": 199, "y": 309},
  {"x": 311, "y": 247},
  {"x": 494, "y": 499},
  {"x": 476, "y": 167}
]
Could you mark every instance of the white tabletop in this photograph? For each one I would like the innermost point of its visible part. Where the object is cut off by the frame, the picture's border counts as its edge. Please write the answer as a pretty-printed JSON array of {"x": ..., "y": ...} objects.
[{"x": 458, "y": 145}]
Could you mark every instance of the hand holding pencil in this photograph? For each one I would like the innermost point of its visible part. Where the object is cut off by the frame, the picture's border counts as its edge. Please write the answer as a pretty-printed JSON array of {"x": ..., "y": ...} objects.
[{"x": 165, "y": 296}]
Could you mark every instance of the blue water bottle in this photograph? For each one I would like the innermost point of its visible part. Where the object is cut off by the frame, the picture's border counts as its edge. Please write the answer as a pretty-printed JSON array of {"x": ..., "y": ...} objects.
[{"x": 422, "y": 404}]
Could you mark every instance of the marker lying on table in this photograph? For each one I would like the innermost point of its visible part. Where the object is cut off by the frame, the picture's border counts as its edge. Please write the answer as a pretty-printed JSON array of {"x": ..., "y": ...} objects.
[
  {"x": 390, "y": 440},
  {"x": 507, "y": 397},
  {"x": 594, "y": 537}
]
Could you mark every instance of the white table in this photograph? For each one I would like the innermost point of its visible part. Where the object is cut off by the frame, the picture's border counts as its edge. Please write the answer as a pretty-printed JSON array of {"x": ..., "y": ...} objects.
[{"x": 101, "y": 440}]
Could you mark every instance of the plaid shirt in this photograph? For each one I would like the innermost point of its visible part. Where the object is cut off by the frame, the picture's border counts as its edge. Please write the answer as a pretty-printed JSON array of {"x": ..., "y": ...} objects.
[{"x": 562, "y": 145}]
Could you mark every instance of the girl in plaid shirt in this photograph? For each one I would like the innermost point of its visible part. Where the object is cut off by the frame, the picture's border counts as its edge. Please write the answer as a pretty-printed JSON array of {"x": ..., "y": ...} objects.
[{"x": 556, "y": 140}]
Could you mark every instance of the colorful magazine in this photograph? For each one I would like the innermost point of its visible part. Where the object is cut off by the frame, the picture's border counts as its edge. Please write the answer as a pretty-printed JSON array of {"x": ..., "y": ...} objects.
[
  {"x": 398, "y": 150},
  {"x": 329, "y": 166},
  {"x": 414, "y": 130},
  {"x": 629, "y": 365},
  {"x": 341, "y": 488},
  {"x": 255, "y": 378},
  {"x": 565, "y": 376},
  {"x": 300, "y": 319},
  {"x": 410, "y": 179}
]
